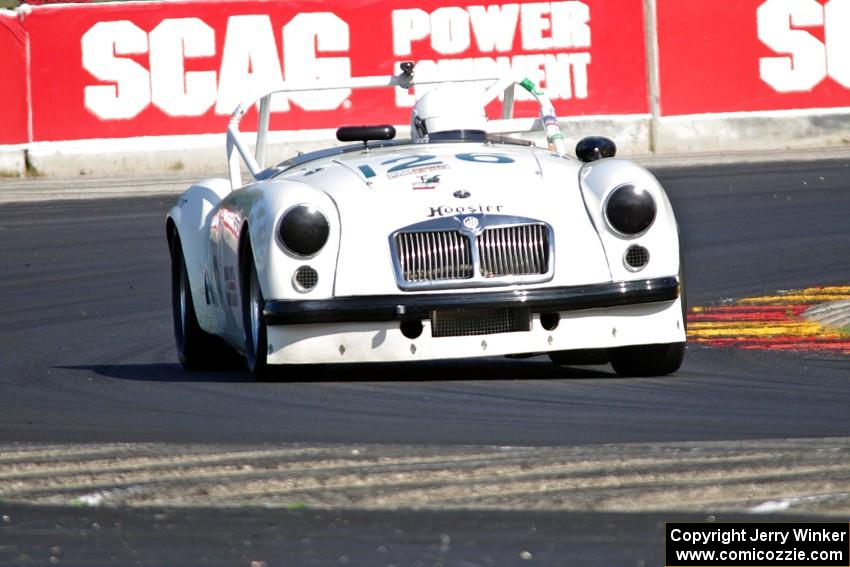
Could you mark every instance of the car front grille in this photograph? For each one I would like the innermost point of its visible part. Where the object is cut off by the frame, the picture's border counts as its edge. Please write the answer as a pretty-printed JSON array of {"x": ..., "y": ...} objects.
[
  {"x": 433, "y": 256},
  {"x": 513, "y": 250},
  {"x": 500, "y": 250}
]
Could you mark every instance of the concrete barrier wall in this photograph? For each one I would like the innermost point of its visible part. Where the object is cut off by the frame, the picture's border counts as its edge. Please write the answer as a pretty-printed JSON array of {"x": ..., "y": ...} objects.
[{"x": 134, "y": 87}]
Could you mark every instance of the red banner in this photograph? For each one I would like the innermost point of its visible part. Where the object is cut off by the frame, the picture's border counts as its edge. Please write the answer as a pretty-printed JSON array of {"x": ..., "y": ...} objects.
[
  {"x": 752, "y": 55},
  {"x": 121, "y": 70},
  {"x": 13, "y": 81}
]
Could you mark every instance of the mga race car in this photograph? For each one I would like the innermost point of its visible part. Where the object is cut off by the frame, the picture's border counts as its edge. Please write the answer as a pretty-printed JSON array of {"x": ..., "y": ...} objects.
[{"x": 458, "y": 242}]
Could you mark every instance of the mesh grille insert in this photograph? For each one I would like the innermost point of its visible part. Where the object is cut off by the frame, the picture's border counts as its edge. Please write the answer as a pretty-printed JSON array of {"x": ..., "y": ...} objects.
[
  {"x": 637, "y": 257},
  {"x": 306, "y": 278},
  {"x": 468, "y": 322}
]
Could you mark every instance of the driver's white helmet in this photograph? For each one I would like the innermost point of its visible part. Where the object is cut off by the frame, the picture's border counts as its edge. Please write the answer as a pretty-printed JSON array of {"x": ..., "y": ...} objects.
[{"x": 444, "y": 109}]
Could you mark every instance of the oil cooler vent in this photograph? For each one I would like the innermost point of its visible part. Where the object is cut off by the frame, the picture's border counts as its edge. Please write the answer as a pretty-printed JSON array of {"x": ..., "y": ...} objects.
[
  {"x": 305, "y": 278},
  {"x": 636, "y": 258},
  {"x": 468, "y": 322}
]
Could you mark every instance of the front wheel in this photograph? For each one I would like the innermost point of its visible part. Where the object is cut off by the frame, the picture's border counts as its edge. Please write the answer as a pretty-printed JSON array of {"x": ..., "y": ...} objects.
[
  {"x": 579, "y": 357},
  {"x": 196, "y": 349},
  {"x": 256, "y": 342},
  {"x": 647, "y": 360},
  {"x": 657, "y": 359}
]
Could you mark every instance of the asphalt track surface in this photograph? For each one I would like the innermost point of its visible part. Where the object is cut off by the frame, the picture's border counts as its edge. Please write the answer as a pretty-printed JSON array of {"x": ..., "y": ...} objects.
[{"x": 86, "y": 356}]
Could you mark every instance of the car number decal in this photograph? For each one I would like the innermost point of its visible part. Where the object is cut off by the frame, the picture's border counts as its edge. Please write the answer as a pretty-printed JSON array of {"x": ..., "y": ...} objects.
[
  {"x": 425, "y": 163},
  {"x": 485, "y": 158},
  {"x": 366, "y": 171},
  {"x": 413, "y": 162}
]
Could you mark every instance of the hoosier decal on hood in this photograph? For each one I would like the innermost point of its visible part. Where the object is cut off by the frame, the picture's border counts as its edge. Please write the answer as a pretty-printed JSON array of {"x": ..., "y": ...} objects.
[{"x": 443, "y": 211}]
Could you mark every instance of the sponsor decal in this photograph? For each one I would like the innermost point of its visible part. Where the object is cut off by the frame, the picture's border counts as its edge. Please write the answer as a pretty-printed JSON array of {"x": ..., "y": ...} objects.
[
  {"x": 248, "y": 59},
  {"x": 426, "y": 182},
  {"x": 797, "y": 320},
  {"x": 248, "y": 62},
  {"x": 804, "y": 59},
  {"x": 413, "y": 165},
  {"x": 123, "y": 69},
  {"x": 423, "y": 169},
  {"x": 507, "y": 38},
  {"x": 754, "y": 55},
  {"x": 443, "y": 211}
]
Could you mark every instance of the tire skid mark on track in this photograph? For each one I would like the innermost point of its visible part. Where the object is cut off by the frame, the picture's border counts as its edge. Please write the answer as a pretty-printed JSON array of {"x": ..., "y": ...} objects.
[
  {"x": 294, "y": 462},
  {"x": 736, "y": 476},
  {"x": 785, "y": 321}
]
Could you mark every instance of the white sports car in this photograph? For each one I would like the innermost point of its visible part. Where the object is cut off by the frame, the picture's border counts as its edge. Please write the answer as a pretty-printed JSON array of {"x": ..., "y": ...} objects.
[{"x": 455, "y": 243}]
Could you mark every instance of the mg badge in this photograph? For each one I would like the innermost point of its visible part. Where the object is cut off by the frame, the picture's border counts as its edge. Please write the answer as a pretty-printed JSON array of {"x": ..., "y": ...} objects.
[
  {"x": 470, "y": 223},
  {"x": 462, "y": 194}
]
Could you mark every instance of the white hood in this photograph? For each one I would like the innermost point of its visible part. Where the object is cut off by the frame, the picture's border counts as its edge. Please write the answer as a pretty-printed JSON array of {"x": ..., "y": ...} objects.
[{"x": 380, "y": 192}]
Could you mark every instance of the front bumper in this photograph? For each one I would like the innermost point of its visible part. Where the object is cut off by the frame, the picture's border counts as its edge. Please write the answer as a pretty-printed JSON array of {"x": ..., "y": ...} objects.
[
  {"x": 403, "y": 307},
  {"x": 368, "y": 329}
]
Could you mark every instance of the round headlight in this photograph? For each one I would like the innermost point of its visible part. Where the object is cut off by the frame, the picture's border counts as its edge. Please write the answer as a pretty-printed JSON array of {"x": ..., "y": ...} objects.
[
  {"x": 630, "y": 210},
  {"x": 304, "y": 230}
]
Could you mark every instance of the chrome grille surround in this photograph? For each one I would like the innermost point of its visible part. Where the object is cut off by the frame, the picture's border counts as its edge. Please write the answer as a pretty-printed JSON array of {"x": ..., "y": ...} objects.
[{"x": 450, "y": 253}]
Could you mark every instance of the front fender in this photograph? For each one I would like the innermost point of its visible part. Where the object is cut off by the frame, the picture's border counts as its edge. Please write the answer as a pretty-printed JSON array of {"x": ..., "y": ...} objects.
[
  {"x": 190, "y": 219},
  {"x": 261, "y": 207},
  {"x": 598, "y": 179}
]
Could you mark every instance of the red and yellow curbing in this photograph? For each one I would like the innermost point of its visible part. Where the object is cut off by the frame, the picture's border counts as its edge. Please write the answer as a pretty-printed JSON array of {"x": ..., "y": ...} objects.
[{"x": 772, "y": 322}]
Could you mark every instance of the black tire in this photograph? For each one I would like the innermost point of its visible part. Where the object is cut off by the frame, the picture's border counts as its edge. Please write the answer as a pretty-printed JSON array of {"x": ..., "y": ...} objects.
[
  {"x": 656, "y": 359},
  {"x": 579, "y": 357},
  {"x": 196, "y": 348},
  {"x": 648, "y": 360},
  {"x": 255, "y": 330}
]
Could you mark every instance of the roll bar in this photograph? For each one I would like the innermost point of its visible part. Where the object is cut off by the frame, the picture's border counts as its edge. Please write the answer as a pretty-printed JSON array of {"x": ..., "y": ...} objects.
[{"x": 238, "y": 151}]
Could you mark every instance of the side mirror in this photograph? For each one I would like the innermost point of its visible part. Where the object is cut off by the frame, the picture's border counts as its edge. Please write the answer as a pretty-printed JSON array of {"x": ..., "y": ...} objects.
[{"x": 593, "y": 148}]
